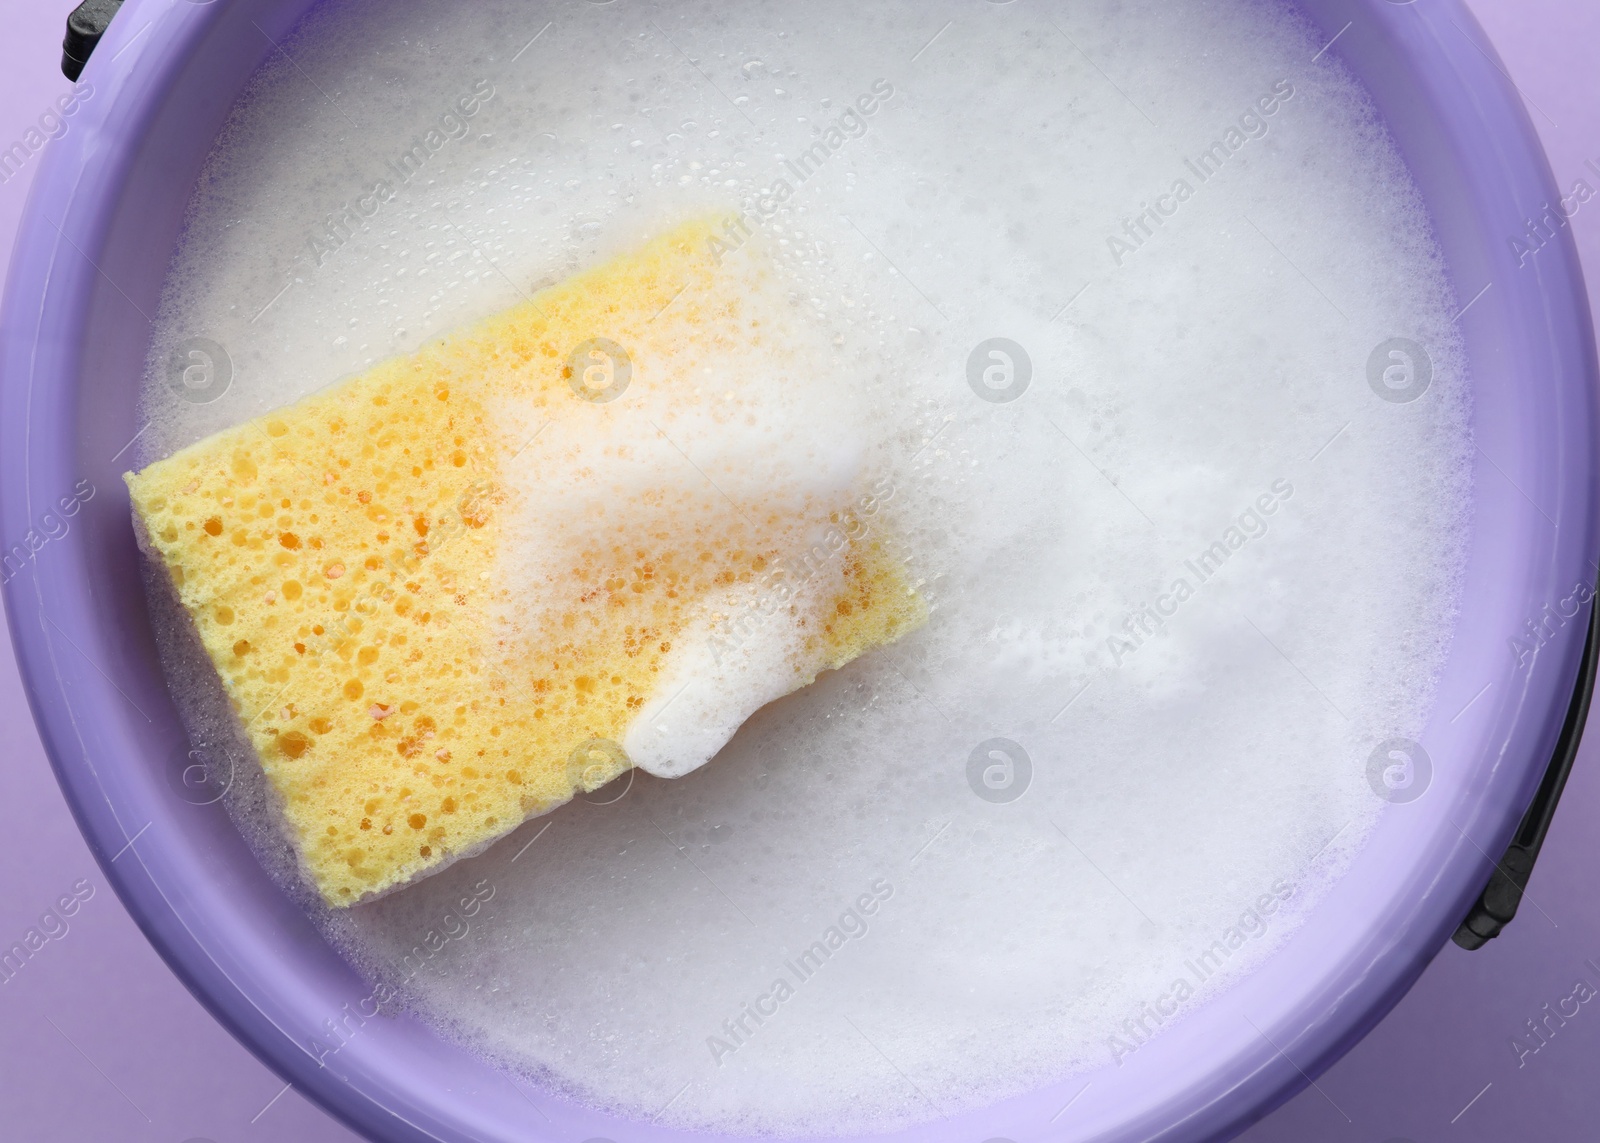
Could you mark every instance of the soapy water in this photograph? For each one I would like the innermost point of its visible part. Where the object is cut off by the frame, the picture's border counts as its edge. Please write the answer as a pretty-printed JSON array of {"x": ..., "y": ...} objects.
[{"x": 1154, "y": 380}]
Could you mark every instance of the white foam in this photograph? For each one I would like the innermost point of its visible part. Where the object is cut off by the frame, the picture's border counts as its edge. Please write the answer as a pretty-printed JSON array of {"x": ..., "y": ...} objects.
[
  {"x": 1224, "y": 358},
  {"x": 761, "y": 436}
]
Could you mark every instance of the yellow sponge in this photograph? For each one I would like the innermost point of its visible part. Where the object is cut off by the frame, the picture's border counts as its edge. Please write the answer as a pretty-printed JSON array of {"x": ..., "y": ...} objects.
[{"x": 343, "y": 561}]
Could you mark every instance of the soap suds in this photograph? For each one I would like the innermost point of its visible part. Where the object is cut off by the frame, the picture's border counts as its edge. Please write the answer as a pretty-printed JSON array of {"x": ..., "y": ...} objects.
[{"x": 1172, "y": 389}]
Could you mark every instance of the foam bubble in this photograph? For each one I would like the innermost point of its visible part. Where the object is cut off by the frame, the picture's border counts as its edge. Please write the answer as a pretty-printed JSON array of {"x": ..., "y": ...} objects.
[{"x": 743, "y": 428}]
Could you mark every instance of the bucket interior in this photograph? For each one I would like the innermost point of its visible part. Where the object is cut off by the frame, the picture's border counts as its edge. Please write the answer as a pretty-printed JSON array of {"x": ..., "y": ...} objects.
[{"x": 102, "y": 225}]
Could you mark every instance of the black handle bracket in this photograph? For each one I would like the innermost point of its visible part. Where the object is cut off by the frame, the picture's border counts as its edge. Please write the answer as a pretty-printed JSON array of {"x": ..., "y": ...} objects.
[
  {"x": 1497, "y": 904},
  {"x": 87, "y": 23}
]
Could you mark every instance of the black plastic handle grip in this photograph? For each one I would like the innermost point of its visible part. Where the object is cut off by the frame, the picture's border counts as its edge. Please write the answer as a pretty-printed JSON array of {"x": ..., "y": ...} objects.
[
  {"x": 85, "y": 26},
  {"x": 1497, "y": 904}
]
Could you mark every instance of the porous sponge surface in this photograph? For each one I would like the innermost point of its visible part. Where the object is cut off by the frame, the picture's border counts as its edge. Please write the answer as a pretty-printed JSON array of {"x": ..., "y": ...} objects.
[{"x": 339, "y": 559}]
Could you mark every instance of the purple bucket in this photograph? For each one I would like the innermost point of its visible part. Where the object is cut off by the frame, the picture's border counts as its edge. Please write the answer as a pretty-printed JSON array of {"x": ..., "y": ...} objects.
[{"x": 90, "y": 260}]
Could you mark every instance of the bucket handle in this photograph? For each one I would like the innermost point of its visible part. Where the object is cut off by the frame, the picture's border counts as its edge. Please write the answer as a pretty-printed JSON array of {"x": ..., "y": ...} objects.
[
  {"x": 1497, "y": 904},
  {"x": 87, "y": 23}
]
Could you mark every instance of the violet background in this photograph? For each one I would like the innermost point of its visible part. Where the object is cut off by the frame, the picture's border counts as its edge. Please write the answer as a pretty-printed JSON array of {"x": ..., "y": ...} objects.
[{"x": 98, "y": 1040}]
